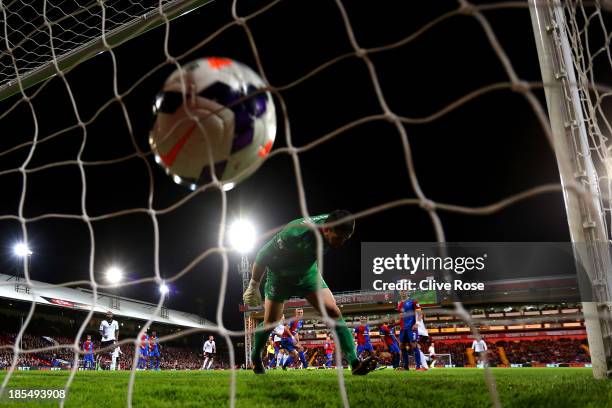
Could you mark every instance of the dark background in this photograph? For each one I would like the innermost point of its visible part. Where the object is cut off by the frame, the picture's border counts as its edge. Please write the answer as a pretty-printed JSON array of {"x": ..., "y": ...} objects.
[{"x": 485, "y": 150}]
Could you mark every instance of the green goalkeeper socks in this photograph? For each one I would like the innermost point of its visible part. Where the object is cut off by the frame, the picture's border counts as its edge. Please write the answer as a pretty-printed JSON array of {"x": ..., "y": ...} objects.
[
  {"x": 347, "y": 344},
  {"x": 261, "y": 339}
]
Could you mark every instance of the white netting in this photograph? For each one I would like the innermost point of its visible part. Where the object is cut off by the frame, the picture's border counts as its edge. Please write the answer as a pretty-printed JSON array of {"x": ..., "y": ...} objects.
[
  {"x": 38, "y": 34},
  {"x": 73, "y": 25},
  {"x": 587, "y": 39},
  {"x": 590, "y": 46}
]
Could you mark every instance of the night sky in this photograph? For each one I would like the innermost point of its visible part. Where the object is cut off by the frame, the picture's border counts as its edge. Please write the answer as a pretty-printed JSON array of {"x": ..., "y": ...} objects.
[{"x": 483, "y": 151}]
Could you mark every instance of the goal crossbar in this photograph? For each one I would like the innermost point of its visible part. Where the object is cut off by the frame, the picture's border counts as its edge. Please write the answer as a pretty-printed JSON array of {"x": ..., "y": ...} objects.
[{"x": 115, "y": 37}]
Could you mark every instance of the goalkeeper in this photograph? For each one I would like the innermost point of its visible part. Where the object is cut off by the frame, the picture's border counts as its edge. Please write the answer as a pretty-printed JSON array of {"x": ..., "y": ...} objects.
[{"x": 290, "y": 260}]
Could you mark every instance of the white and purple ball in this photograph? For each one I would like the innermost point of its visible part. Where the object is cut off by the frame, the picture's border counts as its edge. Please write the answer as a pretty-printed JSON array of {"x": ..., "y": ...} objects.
[{"x": 217, "y": 116}]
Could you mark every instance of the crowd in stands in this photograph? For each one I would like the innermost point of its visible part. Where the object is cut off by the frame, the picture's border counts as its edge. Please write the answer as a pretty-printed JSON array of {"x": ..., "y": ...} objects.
[
  {"x": 37, "y": 359},
  {"x": 544, "y": 351},
  {"x": 456, "y": 350},
  {"x": 172, "y": 357},
  {"x": 562, "y": 351},
  {"x": 319, "y": 357}
]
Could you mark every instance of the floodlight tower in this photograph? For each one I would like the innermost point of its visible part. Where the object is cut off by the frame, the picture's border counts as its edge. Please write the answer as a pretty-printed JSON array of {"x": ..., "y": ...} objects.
[
  {"x": 242, "y": 239},
  {"x": 164, "y": 290},
  {"x": 114, "y": 275},
  {"x": 22, "y": 250}
]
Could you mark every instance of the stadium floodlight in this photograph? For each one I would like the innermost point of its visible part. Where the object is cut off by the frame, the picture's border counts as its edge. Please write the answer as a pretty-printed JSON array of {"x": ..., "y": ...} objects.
[
  {"x": 242, "y": 235},
  {"x": 164, "y": 289},
  {"x": 114, "y": 275},
  {"x": 22, "y": 250}
]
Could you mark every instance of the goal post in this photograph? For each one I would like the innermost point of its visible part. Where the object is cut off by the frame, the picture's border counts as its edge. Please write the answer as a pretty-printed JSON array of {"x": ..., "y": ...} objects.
[
  {"x": 151, "y": 18},
  {"x": 442, "y": 360},
  {"x": 582, "y": 195}
]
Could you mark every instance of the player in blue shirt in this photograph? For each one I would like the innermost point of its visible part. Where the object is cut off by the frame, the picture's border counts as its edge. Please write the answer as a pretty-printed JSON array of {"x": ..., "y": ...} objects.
[
  {"x": 154, "y": 348},
  {"x": 409, "y": 309},
  {"x": 294, "y": 327},
  {"x": 88, "y": 359}
]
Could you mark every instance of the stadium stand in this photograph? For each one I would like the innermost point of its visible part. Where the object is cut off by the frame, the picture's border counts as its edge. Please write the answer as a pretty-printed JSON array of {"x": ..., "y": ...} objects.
[
  {"x": 173, "y": 357},
  {"x": 516, "y": 334},
  {"x": 60, "y": 312}
]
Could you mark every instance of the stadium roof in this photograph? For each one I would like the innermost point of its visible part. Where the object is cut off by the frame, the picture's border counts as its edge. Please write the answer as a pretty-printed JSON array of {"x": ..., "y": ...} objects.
[{"x": 82, "y": 299}]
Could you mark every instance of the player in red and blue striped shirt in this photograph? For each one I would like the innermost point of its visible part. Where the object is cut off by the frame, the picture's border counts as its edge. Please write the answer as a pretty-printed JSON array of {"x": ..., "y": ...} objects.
[
  {"x": 143, "y": 352},
  {"x": 294, "y": 327},
  {"x": 287, "y": 343},
  {"x": 329, "y": 351},
  {"x": 363, "y": 337},
  {"x": 88, "y": 358},
  {"x": 154, "y": 354},
  {"x": 388, "y": 335}
]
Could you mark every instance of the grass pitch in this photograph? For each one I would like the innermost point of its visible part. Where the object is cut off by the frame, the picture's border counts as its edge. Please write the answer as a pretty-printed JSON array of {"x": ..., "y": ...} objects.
[{"x": 459, "y": 387}]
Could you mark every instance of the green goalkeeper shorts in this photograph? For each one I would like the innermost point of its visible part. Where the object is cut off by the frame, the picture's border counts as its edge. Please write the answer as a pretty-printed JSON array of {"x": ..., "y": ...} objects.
[{"x": 281, "y": 288}]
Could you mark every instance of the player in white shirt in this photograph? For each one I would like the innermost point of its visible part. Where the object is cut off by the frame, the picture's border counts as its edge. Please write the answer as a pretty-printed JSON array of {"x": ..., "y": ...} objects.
[
  {"x": 287, "y": 344},
  {"x": 278, "y": 331},
  {"x": 479, "y": 347},
  {"x": 116, "y": 353},
  {"x": 109, "y": 330},
  {"x": 210, "y": 348},
  {"x": 423, "y": 338},
  {"x": 432, "y": 355},
  {"x": 283, "y": 355},
  {"x": 278, "y": 350}
]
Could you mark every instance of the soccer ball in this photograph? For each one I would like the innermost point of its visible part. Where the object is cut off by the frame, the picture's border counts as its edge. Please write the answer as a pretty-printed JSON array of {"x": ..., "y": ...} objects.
[{"x": 208, "y": 118}]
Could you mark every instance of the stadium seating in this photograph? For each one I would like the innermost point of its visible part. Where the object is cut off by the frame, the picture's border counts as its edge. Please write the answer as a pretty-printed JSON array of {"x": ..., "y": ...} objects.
[
  {"x": 173, "y": 357},
  {"x": 532, "y": 352}
]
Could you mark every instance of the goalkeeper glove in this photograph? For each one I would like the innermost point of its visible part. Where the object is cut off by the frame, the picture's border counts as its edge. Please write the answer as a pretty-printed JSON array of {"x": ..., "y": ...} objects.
[{"x": 251, "y": 296}]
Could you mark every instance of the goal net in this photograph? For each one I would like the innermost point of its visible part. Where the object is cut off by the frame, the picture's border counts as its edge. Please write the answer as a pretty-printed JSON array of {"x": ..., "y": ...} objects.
[
  {"x": 439, "y": 361},
  {"x": 431, "y": 121}
]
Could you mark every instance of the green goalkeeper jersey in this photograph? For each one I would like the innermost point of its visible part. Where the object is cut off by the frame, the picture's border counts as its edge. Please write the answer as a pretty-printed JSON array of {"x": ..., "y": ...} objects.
[{"x": 292, "y": 252}]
